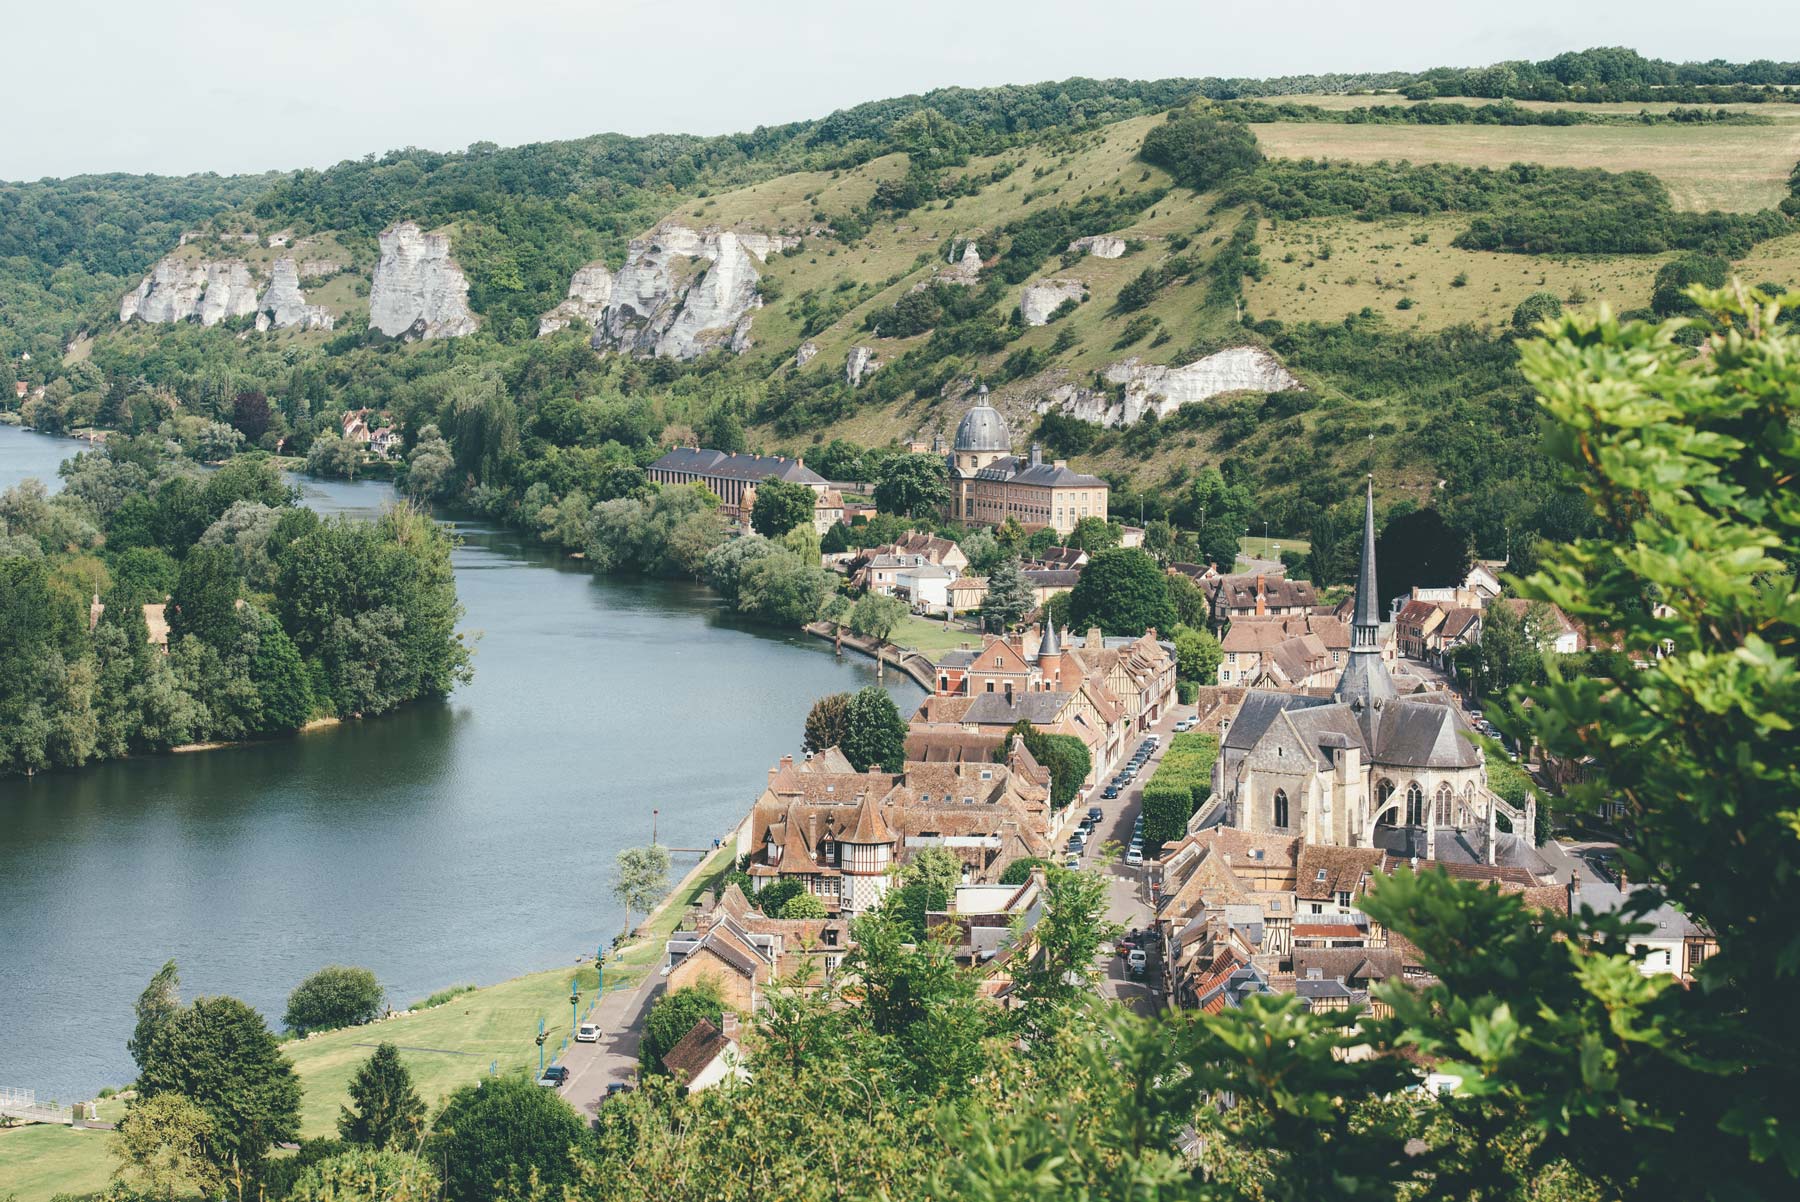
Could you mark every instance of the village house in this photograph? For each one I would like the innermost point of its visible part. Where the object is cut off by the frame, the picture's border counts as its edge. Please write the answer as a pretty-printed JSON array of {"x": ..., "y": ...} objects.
[
  {"x": 839, "y": 833},
  {"x": 738, "y": 950},
  {"x": 967, "y": 592},
  {"x": 1313, "y": 649},
  {"x": 1047, "y": 582},
  {"x": 1067, "y": 559},
  {"x": 989, "y": 484},
  {"x": 1249, "y": 594},
  {"x": 707, "y": 1056}
]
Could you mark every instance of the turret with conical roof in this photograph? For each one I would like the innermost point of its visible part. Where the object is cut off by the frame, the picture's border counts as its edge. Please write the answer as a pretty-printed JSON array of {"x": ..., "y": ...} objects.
[
  {"x": 1048, "y": 647},
  {"x": 1365, "y": 683}
]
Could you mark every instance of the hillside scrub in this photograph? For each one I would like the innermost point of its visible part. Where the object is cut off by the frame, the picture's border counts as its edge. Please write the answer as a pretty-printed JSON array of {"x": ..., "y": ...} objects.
[{"x": 1200, "y": 150}]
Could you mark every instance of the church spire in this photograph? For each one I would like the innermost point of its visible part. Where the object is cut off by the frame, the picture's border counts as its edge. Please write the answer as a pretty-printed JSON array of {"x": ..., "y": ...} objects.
[
  {"x": 1048, "y": 647},
  {"x": 1368, "y": 597},
  {"x": 1365, "y": 683}
]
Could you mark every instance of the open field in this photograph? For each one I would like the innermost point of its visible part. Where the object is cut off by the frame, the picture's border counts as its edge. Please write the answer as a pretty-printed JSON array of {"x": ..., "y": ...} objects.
[
  {"x": 39, "y": 1162},
  {"x": 1340, "y": 101},
  {"x": 1258, "y": 547},
  {"x": 1776, "y": 261},
  {"x": 1739, "y": 168},
  {"x": 1377, "y": 264}
]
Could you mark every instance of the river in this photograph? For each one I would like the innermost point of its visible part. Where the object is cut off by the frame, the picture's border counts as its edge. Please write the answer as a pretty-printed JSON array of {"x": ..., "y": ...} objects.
[{"x": 469, "y": 840}]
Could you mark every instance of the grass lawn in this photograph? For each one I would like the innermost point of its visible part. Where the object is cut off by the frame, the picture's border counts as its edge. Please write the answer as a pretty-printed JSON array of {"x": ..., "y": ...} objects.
[
  {"x": 1258, "y": 547},
  {"x": 452, "y": 1044},
  {"x": 40, "y": 1161},
  {"x": 930, "y": 635},
  {"x": 1738, "y": 168}
]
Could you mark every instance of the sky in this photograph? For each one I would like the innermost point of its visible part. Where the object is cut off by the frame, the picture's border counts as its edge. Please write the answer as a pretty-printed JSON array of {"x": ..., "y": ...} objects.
[{"x": 179, "y": 86}]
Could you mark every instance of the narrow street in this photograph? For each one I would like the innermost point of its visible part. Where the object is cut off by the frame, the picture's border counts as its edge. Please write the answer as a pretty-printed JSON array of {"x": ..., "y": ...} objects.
[
  {"x": 594, "y": 1066},
  {"x": 1128, "y": 897}
]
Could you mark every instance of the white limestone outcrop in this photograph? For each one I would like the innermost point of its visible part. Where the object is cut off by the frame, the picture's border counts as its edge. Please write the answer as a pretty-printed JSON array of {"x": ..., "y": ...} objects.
[
  {"x": 418, "y": 291},
  {"x": 1101, "y": 246},
  {"x": 1038, "y": 301},
  {"x": 178, "y": 289},
  {"x": 805, "y": 354},
  {"x": 589, "y": 291},
  {"x": 283, "y": 305},
  {"x": 1163, "y": 389},
  {"x": 858, "y": 364},
  {"x": 684, "y": 292}
]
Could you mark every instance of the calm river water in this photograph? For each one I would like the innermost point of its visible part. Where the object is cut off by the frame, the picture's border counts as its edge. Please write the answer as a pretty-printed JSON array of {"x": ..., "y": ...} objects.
[{"x": 465, "y": 841}]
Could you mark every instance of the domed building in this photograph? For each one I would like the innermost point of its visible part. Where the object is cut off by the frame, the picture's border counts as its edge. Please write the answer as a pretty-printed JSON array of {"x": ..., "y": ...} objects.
[{"x": 989, "y": 484}]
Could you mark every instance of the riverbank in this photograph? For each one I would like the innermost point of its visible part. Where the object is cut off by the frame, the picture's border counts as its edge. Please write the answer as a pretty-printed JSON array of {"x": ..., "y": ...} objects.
[{"x": 915, "y": 666}]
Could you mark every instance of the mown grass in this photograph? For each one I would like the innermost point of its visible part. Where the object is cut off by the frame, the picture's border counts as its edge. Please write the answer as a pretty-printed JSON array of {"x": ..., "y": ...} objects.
[
  {"x": 495, "y": 1027},
  {"x": 930, "y": 636},
  {"x": 38, "y": 1162}
]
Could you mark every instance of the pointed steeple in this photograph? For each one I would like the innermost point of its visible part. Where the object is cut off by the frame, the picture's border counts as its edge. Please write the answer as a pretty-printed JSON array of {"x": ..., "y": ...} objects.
[
  {"x": 1048, "y": 646},
  {"x": 1368, "y": 597},
  {"x": 1365, "y": 683}
]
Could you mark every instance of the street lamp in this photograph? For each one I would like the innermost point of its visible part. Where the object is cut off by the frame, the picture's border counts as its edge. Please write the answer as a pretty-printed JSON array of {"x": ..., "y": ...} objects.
[
  {"x": 574, "y": 1000},
  {"x": 599, "y": 971},
  {"x": 540, "y": 1043}
]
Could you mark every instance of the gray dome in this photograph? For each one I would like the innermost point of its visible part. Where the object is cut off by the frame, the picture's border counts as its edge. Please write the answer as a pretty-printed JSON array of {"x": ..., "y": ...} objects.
[{"x": 983, "y": 429}]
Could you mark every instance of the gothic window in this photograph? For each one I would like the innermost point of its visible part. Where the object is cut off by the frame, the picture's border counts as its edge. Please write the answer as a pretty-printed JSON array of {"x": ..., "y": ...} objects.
[
  {"x": 1281, "y": 808},
  {"x": 1445, "y": 799},
  {"x": 1415, "y": 804}
]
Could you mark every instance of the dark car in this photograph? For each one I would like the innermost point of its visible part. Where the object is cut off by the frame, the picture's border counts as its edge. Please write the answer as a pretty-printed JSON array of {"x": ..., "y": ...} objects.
[
  {"x": 618, "y": 1087},
  {"x": 555, "y": 1077},
  {"x": 1110, "y": 792},
  {"x": 1096, "y": 813}
]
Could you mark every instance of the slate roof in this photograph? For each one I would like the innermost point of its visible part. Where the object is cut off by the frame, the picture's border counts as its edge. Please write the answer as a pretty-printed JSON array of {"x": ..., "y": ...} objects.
[
  {"x": 996, "y": 709},
  {"x": 1344, "y": 963},
  {"x": 982, "y": 428},
  {"x": 700, "y": 461},
  {"x": 1053, "y": 577},
  {"x": 1238, "y": 591}
]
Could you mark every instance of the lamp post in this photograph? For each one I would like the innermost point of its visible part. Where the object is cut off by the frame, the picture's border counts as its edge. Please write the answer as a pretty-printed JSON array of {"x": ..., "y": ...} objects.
[
  {"x": 574, "y": 1000},
  {"x": 599, "y": 971},
  {"x": 540, "y": 1043}
]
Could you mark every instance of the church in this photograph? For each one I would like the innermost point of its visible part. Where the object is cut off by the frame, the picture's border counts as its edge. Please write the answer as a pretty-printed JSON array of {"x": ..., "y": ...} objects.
[
  {"x": 989, "y": 484},
  {"x": 1365, "y": 767}
]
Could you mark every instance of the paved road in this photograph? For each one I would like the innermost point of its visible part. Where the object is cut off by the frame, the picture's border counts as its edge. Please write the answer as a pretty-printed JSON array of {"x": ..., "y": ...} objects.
[
  {"x": 1128, "y": 897},
  {"x": 594, "y": 1066}
]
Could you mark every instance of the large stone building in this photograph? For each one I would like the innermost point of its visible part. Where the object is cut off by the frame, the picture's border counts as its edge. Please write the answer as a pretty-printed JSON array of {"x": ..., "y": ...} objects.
[
  {"x": 729, "y": 477},
  {"x": 1365, "y": 767},
  {"x": 989, "y": 484}
]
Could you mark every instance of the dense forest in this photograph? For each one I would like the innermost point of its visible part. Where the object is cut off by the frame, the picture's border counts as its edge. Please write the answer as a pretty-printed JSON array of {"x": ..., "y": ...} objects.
[{"x": 266, "y": 615}]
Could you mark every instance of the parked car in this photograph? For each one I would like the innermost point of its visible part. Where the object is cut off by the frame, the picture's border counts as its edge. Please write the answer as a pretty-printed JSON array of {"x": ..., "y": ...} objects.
[
  {"x": 555, "y": 1077},
  {"x": 1111, "y": 791},
  {"x": 1135, "y": 856},
  {"x": 615, "y": 1088},
  {"x": 1137, "y": 961},
  {"x": 1072, "y": 860},
  {"x": 587, "y": 1033},
  {"x": 1096, "y": 813}
]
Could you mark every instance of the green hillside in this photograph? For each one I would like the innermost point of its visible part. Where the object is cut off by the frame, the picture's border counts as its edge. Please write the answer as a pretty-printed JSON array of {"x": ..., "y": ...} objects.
[{"x": 1377, "y": 240}]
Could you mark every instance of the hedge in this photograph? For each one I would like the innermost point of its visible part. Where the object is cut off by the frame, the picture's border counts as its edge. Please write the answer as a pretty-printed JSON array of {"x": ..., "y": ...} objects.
[{"x": 1183, "y": 781}]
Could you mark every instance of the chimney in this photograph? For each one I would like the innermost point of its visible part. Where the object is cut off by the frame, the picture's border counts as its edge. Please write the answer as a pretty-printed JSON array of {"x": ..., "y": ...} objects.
[
  {"x": 1261, "y": 597},
  {"x": 728, "y": 1025},
  {"x": 787, "y": 761},
  {"x": 1037, "y": 455},
  {"x": 1062, "y": 463},
  {"x": 1094, "y": 641}
]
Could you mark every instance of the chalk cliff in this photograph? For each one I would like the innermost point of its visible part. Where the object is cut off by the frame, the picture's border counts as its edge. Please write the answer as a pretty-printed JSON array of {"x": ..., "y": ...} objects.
[
  {"x": 1101, "y": 246},
  {"x": 1038, "y": 301},
  {"x": 283, "y": 305},
  {"x": 418, "y": 291},
  {"x": 683, "y": 292},
  {"x": 858, "y": 364},
  {"x": 177, "y": 289},
  {"x": 1163, "y": 389},
  {"x": 589, "y": 291}
]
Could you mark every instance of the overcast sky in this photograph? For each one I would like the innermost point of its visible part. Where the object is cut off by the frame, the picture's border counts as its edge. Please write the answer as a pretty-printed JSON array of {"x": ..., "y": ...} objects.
[{"x": 175, "y": 86}]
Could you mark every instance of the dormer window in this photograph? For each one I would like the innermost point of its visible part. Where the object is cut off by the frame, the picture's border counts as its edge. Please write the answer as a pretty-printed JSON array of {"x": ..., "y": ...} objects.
[{"x": 1321, "y": 875}]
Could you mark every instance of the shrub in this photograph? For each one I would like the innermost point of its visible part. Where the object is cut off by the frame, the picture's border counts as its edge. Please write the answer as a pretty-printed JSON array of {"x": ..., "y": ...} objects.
[
  {"x": 1182, "y": 783},
  {"x": 333, "y": 997},
  {"x": 1201, "y": 152}
]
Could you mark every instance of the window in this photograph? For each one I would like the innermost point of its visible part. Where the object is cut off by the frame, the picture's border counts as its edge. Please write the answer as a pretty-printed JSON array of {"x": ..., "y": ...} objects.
[
  {"x": 1321, "y": 875},
  {"x": 1281, "y": 808},
  {"x": 1444, "y": 797},
  {"x": 1343, "y": 897},
  {"x": 1318, "y": 908},
  {"x": 1415, "y": 804}
]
